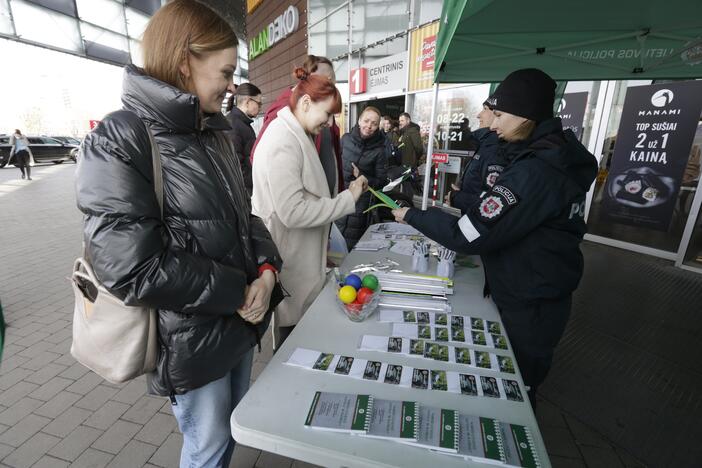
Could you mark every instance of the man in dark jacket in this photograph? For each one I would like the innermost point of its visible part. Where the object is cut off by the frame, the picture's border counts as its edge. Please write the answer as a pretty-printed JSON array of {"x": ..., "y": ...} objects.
[
  {"x": 410, "y": 142},
  {"x": 529, "y": 226},
  {"x": 241, "y": 115},
  {"x": 364, "y": 152},
  {"x": 392, "y": 139}
]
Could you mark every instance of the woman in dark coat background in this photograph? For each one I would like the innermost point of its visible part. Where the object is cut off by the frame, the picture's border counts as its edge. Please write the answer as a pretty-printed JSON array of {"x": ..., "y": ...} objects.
[
  {"x": 248, "y": 104},
  {"x": 364, "y": 152}
]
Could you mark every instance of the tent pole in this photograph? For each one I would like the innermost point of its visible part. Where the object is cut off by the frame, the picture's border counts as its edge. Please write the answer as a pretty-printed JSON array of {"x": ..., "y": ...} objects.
[{"x": 430, "y": 147}]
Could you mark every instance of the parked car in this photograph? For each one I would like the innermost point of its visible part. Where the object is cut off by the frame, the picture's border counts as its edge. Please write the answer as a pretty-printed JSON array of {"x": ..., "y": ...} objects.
[
  {"x": 66, "y": 139},
  {"x": 44, "y": 149}
]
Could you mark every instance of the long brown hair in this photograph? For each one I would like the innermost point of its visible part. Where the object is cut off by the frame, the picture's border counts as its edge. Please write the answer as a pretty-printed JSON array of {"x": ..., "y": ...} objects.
[
  {"x": 524, "y": 131},
  {"x": 180, "y": 28}
]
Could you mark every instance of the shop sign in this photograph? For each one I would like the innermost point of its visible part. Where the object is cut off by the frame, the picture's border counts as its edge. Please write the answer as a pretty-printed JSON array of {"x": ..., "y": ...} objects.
[
  {"x": 386, "y": 74},
  {"x": 93, "y": 124},
  {"x": 422, "y": 52},
  {"x": 653, "y": 144},
  {"x": 440, "y": 158},
  {"x": 359, "y": 80},
  {"x": 571, "y": 110},
  {"x": 283, "y": 26}
]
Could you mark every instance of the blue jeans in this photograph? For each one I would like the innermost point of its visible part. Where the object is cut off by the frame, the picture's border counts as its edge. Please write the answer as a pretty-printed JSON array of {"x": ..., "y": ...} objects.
[{"x": 203, "y": 417}]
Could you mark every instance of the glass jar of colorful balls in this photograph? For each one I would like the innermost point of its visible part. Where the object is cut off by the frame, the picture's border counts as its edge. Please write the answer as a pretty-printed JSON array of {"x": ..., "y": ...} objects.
[{"x": 358, "y": 296}]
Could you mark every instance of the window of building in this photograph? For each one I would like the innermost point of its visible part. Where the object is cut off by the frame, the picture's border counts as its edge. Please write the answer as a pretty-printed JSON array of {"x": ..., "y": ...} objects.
[
  {"x": 107, "y": 14},
  {"x": 136, "y": 23},
  {"x": 46, "y": 27},
  {"x": 5, "y": 19}
]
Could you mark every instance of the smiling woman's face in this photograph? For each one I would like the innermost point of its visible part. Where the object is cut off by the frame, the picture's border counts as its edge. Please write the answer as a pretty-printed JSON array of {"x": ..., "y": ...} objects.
[{"x": 209, "y": 77}]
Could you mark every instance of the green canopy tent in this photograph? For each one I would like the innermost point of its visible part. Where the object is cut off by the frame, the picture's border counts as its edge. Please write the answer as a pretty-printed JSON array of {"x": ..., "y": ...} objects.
[{"x": 481, "y": 41}]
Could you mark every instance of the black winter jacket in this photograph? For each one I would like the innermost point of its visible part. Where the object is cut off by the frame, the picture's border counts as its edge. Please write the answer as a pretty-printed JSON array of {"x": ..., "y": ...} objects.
[
  {"x": 370, "y": 156},
  {"x": 194, "y": 264},
  {"x": 410, "y": 144},
  {"x": 482, "y": 171},
  {"x": 529, "y": 226},
  {"x": 243, "y": 138}
]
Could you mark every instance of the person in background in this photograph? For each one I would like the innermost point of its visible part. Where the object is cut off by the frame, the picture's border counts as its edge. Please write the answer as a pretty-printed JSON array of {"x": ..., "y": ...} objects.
[
  {"x": 364, "y": 152},
  {"x": 483, "y": 170},
  {"x": 205, "y": 263},
  {"x": 294, "y": 196},
  {"x": 19, "y": 150},
  {"x": 410, "y": 142},
  {"x": 392, "y": 139},
  {"x": 327, "y": 141},
  {"x": 529, "y": 225},
  {"x": 248, "y": 105}
]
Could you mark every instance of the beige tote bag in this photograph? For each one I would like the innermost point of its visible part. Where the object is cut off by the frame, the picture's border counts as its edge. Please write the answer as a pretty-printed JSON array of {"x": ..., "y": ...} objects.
[{"x": 116, "y": 341}]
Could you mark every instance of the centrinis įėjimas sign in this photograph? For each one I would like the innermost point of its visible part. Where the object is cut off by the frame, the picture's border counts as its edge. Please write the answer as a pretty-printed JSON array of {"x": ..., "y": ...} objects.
[{"x": 284, "y": 25}]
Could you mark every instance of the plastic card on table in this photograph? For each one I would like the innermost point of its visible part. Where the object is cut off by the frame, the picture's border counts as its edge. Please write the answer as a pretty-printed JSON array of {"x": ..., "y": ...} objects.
[
  {"x": 449, "y": 334},
  {"x": 422, "y": 378}
]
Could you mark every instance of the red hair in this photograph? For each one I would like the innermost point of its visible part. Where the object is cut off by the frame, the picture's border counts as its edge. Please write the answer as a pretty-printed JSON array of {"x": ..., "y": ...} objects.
[{"x": 317, "y": 87}]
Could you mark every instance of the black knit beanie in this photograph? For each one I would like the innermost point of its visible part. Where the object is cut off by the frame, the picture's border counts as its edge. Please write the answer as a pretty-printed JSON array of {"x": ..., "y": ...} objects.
[{"x": 527, "y": 93}]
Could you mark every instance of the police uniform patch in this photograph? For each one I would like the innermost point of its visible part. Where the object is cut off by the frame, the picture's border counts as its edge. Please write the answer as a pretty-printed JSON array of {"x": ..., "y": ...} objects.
[
  {"x": 491, "y": 178},
  {"x": 491, "y": 206},
  {"x": 496, "y": 203}
]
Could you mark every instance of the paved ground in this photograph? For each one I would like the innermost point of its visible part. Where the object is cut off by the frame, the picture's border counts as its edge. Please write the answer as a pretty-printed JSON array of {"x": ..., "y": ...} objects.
[{"x": 54, "y": 413}]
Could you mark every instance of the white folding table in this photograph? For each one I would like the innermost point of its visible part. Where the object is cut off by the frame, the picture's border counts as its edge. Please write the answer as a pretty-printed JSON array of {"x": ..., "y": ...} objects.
[{"x": 271, "y": 416}]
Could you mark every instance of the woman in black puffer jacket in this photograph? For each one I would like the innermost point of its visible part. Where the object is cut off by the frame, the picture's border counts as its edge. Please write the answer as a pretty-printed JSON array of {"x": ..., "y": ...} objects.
[
  {"x": 208, "y": 265},
  {"x": 364, "y": 152}
]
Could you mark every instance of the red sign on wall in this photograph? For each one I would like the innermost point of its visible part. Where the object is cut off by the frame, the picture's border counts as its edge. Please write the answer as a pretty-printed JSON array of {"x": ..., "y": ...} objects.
[
  {"x": 93, "y": 123},
  {"x": 359, "y": 80},
  {"x": 428, "y": 52},
  {"x": 440, "y": 158}
]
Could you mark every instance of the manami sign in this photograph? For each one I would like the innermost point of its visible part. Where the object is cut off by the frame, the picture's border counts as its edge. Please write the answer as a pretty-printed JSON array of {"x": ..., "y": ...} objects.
[{"x": 283, "y": 26}]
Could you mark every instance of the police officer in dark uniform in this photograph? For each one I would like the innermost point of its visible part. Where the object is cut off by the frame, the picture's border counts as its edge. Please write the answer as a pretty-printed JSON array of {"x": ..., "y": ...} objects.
[
  {"x": 482, "y": 171},
  {"x": 529, "y": 225}
]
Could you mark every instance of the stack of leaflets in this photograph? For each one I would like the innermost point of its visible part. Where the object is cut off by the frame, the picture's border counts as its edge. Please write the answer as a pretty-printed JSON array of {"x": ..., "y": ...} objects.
[
  {"x": 389, "y": 300},
  {"x": 394, "y": 420},
  {"x": 519, "y": 447},
  {"x": 480, "y": 439},
  {"x": 415, "y": 283},
  {"x": 438, "y": 429},
  {"x": 340, "y": 412}
]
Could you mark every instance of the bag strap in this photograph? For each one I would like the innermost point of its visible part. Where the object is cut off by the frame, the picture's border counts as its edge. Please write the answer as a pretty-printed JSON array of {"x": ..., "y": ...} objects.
[
  {"x": 158, "y": 171},
  {"x": 157, "y": 175}
]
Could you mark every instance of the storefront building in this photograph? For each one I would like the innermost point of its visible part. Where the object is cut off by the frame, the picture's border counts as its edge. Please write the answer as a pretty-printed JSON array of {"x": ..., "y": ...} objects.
[
  {"x": 276, "y": 33},
  {"x": 646, "y": 197}
]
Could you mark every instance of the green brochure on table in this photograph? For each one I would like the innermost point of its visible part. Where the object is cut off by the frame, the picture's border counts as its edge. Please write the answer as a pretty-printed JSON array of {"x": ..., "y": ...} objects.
[
  {"x": 386, "y": 201},
  {"x": 341, "y": 412}
]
